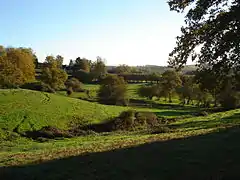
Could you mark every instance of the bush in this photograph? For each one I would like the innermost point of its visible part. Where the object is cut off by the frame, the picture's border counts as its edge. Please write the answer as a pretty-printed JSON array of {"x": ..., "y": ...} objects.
[
  {"x": 160, "y": 129},
  {"x": 38, "y": 86},
  {"x": 229, "y": 100},
  {"x": 69, "y": 91},
  {"x": 74, "y": 84},
  {"x": 126, "y": 121},
  {"x": 113, "y": 90},
  {"x": 147, "y": 118},
  {"x": 83, "y": 76}
]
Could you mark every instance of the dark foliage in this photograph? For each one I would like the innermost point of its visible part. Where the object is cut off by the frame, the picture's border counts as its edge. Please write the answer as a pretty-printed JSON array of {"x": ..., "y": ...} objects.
[
  {"x": 214, "y": 27},
  {"x": 83, "y": 76},
  {"x": 127, "y": 121},
  {"x": 74, "y": 84},
  {"x": 113, "y": 90},
  {"x": 38, "y": 86}
]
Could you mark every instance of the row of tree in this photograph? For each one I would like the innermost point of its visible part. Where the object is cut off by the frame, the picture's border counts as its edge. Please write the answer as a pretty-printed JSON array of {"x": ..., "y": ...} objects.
[{"x": 204, "y": 88}]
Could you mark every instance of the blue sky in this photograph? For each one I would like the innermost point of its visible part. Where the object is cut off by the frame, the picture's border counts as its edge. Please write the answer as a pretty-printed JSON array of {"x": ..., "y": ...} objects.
[{"x": 133, "y": 32}]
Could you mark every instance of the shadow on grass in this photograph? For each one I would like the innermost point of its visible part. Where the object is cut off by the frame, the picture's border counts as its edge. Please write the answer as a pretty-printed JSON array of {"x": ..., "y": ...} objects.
[
  {"x": 218, "y": 122},
  {"x": 174, "y": 113},
  {"x": 210, "y": 156},
  {"x": 153, "y": 104}
]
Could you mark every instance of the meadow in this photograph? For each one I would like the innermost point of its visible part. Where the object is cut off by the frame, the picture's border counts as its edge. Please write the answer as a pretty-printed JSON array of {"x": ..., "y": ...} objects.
[{"x": 196, "y": 146}]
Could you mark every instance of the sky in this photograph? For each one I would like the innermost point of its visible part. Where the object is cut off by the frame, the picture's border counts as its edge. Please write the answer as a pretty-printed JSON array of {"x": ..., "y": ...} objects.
[{"x": 133, "y": 32}]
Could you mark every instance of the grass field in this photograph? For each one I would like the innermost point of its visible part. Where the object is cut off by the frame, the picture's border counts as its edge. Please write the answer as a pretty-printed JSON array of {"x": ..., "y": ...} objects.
[
  {"x": 35, "y": 110},
  {"x": 41, "y": 109},
  {"x": 203, "y": 147}
]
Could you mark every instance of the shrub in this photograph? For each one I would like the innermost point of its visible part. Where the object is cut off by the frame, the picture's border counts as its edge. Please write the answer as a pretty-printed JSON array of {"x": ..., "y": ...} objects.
[
  {"x": 113, "y": 90},
  {"x": 38, "y": 86},
  {"x": 146, "y": 91},
  {"x": 160, "y": 129},
  {"x": 127, "y": 121},
  {"x": 74, "y": 84},
  {"x": 147, "y": 118},
  {"x": 229, "y": 100},
  {"x": 69, "y": 91},
  {"x": 83, "y": 76}
]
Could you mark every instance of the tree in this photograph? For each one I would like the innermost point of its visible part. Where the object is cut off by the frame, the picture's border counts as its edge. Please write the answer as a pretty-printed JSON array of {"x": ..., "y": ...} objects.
[
  {"x": 209, "y": 81},
  {"x": 99, "y": 69},
  {"x": 71, "y": 63},
  {"x": 82, "y": 64},
  {"x": 73, "y": 84},
  {"x": 186, "y": 91},
  {"x": 149, "y": 91},
  {"x": 122, "y": 69},
  {"x": 52, "y": 74},
  {"x": 154, "y": 77},
  {"x": 213, "y": 27},
  {"x": 229, "y": 96},
  {"x": 170, "y": 81},
  {"x": 113, "y": 90},
  {"x": 16, "y": 66},
  {"x": 83, "y": 76},
  {"x": 203, "y": 97}
]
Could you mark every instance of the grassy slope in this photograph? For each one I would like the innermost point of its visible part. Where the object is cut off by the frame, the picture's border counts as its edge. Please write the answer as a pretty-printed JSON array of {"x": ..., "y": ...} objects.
[
  {"x": 201, "y": 148},
  {"x": 40, "y": 109},
  {"x": 183, "y": 128},
  {"x": 43, "y": 109}
]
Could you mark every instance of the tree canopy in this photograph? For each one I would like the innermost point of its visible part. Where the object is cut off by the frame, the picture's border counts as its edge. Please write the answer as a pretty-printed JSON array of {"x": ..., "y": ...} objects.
[
  {"x": 99, "y": 68},
  {"x": 211, "y": 36},
  {"x": 113, "y": 90},
  {"x": 16, "y": 66},
  {"x": 52, "y": 74},
  {"x": 83, "y": 64}
]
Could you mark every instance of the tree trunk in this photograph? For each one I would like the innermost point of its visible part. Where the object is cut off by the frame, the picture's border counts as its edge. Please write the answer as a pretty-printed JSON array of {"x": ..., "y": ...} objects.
[{"x": 169, "y": 98}]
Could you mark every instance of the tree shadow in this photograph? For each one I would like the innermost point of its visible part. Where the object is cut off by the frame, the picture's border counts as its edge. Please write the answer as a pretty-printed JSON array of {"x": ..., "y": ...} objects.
[
  {"x": 232, "y": 120},
  {"x": 157, "y": 105},
  {"x": 174, "y": 113},
  {"x": 210, "y": 156}
]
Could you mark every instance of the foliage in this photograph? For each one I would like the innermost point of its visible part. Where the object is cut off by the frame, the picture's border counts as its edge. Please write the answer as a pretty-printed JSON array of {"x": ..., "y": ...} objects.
[
  {"x": 170, "y": 81},
  {"x": 38, "y": 86},
  {"x": 186, "y": 91},
  {"x": 99, "y": 69},
  {"x": 16, "y": 66},
  {"x": 229, "y": 98},
  {"x": 209, "y": 81},
  {"x": 203, "y": 97},
  {"x": 82, "y": 64},
  {"x": 83, "y": 76},
  {"x": 52, "y": 74},
  {"x": 122, "y": 69},
  {"x": 74, "y": 84},
  {"x": 113, "y": 90},
  {"x": 148, "y": 91},
  {"x": 154, "y": 77},
  {"x": 69, "y": 90},
  {"x": 213, "y": 27}
]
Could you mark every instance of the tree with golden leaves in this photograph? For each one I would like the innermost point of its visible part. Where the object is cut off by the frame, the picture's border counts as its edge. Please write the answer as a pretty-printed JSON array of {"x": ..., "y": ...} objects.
[{"x": 16, "y": 66}]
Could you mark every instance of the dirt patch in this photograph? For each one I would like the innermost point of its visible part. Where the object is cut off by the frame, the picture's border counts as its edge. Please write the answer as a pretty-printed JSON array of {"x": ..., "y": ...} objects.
[{"x": 48, "y": 132}]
